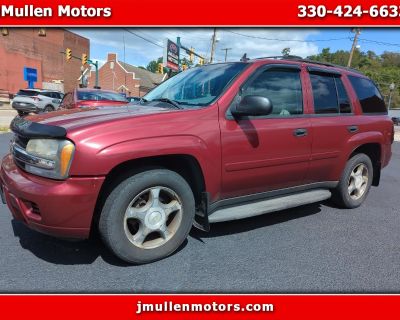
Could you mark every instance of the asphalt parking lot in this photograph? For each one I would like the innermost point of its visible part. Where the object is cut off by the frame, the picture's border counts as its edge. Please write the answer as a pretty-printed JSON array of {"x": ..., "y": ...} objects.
[{"x": 314, "y": 248}]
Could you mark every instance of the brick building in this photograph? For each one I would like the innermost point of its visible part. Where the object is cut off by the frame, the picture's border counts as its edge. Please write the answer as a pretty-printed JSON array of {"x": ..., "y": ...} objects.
[
  {"x": 23, "y": 47},
  {"x": 123, "y": 77}
]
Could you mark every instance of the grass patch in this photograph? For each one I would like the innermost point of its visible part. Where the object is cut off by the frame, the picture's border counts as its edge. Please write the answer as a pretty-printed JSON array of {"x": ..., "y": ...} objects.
[{"x": 4, "y": 129}]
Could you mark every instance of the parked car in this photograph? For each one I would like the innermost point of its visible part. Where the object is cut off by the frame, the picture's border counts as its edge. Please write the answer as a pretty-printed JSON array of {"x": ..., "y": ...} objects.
[
  {"x": 36, "y": 101},
  {"x": 396, "y": 121},
  {"x": 92, "y": 97},
  {"x": 133, "y": 99},
  {"x": 214, "y": 143}
]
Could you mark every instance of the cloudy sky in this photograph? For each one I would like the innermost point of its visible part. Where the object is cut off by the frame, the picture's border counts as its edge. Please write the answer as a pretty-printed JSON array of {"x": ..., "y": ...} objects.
[{"x": 145, "y": 44}]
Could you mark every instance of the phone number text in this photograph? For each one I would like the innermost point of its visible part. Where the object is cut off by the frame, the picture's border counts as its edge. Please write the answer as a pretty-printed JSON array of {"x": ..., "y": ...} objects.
[{"x": 348, "y": 11}]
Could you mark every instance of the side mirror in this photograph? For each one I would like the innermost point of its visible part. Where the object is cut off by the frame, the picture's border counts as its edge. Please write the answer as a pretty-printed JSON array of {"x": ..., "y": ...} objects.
[{"x": 252, "y": 106}]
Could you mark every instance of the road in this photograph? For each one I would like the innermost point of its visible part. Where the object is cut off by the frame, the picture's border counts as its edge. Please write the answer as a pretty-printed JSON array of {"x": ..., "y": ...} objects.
[
  {"x": 314, "y": 248},
  {"x": 6, "y": 116}
]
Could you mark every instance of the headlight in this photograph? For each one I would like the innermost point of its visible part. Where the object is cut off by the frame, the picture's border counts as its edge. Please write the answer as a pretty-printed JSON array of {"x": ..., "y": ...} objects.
[{"x": 51, "y": 158}]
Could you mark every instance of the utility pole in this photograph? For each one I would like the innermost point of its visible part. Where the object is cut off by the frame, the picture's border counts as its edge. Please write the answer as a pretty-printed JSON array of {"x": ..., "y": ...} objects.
[
  {"x": 213, "y": 45},
  {"x": 226, "y": 52},
  {"x": 123, "y": 39},
  {"x": 357, "y": 32},
  {"x": 392, "y": 86}
]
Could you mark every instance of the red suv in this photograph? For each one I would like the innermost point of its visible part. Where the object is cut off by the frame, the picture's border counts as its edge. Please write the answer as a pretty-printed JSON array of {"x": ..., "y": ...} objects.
[{"x": 214, "y": 143}]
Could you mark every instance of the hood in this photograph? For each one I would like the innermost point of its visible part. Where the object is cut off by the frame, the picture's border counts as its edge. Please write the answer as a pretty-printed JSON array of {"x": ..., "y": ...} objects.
[
  {"x": 56, "y": 124},
  {"x": 76, "y": 118}
]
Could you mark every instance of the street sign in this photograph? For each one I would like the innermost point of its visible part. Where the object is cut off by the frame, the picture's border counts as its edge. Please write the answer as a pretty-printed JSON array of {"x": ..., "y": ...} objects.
[
  {"x": 171, "y": 55},
  {"x": 30, "y": 75}
]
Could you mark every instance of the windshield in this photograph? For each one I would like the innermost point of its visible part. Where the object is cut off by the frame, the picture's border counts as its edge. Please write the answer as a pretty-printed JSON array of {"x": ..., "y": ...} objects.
[
  {"x": 198, "y": 86},
  {"x": 100, "y": 96}
]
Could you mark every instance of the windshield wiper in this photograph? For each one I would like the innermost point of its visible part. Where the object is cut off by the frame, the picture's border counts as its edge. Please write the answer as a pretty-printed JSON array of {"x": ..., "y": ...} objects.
[{"x": 169, "y": 101}]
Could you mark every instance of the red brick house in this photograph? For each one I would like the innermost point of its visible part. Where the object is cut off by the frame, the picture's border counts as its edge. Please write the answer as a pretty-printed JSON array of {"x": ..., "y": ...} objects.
[
  {"x": 123, "y": 77},
  {"x": 23, "y": 47}
]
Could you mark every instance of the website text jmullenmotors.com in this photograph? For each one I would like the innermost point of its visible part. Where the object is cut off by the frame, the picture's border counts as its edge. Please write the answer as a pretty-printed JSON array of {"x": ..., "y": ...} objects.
[{"x": 169, "y": 306}]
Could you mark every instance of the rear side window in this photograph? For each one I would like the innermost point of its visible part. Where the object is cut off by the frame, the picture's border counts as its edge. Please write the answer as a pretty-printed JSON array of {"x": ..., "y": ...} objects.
[
  {"x": 47, "y": 94},
  {"x": 368, "y": 94},
  {"x": 329, "y": 94},
  {"x": 282, "y": 87}
]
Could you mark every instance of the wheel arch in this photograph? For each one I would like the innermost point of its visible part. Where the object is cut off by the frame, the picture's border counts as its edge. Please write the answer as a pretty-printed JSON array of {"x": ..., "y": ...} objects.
[
  {"x": 374, "y": 151},
  {"x": 185, "y": 165}
]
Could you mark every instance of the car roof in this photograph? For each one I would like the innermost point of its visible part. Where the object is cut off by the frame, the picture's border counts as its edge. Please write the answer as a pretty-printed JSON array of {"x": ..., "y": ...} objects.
[{"x": 311, "y": 63}]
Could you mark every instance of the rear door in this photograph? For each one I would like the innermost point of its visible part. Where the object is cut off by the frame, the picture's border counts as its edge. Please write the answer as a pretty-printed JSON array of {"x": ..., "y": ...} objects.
[
  {"x": 333, "y": 123},
  {"x": 264, "y": 153}
]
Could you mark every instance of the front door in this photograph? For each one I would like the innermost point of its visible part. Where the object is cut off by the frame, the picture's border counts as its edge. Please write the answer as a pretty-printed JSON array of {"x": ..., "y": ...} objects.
[{"x": 264, "y": 153}]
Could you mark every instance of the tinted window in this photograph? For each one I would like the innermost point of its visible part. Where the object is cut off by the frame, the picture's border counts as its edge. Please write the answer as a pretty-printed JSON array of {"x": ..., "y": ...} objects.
[
  {"x": 281, "y": 87},
  {"x": 344, "y": 101},
  {"x": 100, "y": 96},
  {"x": 324, "y": 93},
  {"x": 370, "y": 98},
  {"x": 47, "y": 94},
  {"x": 28, "y": 93}
]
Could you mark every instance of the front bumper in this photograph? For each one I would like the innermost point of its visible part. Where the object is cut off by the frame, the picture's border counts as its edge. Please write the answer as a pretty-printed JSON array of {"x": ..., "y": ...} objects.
[{"x": 59, "y": 208}]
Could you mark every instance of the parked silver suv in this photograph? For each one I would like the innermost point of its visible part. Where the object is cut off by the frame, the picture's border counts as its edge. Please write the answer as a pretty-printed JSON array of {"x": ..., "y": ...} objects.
[{"x": 36, "y": 101}]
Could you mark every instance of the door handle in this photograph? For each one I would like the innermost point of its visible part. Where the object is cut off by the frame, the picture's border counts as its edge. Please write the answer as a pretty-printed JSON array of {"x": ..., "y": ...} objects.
[
  {"x": 300, "y": 132},
  {"x": 352, "y": 129}
]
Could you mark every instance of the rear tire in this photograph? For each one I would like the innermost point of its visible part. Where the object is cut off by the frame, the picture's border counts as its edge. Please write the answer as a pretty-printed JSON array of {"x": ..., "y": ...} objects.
[
  {"x": 147, "y": 216},
  {"x": 355, "y": 182}
]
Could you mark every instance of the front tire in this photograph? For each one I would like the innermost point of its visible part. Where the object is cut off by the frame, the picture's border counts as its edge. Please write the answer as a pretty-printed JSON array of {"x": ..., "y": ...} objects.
[
  {"x": 48, "y": 109},
  {"x": 147, "y": 216},
  {"x": 355, "y": 182}
]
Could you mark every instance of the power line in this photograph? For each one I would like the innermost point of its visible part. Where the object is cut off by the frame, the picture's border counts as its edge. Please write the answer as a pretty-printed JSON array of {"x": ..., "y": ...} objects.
[
  {"x": 380, "y": 42},
  {"x": 139, "y": 36},
  {"x": 284, "y": 40}
]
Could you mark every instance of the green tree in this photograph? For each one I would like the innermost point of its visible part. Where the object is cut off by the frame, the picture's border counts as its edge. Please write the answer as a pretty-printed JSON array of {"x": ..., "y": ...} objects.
[
  {"x": 286, "y": 51},
  {"x": 383, "y": 69},
  {"x": 153, "y": 65}
]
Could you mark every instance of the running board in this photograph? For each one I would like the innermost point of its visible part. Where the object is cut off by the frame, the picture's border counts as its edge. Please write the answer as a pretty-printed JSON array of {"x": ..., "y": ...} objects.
[{"x": 269, "y": 205}]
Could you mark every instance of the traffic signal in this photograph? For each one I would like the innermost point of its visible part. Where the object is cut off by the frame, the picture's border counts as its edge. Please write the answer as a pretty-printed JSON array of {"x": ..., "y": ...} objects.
[
  {"x": 84, "y": 59},
  {"x": 68, "y": 54},
  {"x": 201, "y": 61},
  {"x": 160, "y": 68},
  {"x": 191, "y": 55}
]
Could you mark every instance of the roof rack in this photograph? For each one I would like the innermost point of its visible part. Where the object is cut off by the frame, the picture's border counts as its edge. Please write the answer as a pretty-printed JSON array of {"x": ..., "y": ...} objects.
[{"x": 300, "y": 59}]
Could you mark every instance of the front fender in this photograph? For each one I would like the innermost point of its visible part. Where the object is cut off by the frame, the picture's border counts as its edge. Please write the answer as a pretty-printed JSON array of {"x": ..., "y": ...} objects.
[{"x": 111, "y": 156}]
